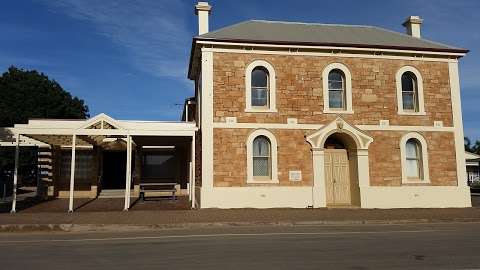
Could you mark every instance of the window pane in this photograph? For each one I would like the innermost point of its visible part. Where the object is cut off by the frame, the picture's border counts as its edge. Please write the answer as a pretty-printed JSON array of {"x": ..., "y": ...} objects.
[
  {"x": 158, "y": 165},
  {"x": 407, "y": 81},
  {"x": 259, "y": 97},
  {"x": 83, "y": 165},
  {"x": 412, "y": 168},
  {"x": 335, "y": 75},
  {"x": 335, "y": 85},
  {"x": 408, "y": 101},
  {"x": 409, "y": 91},
  {"x": 336, "y": 89},
  {"x": 261, "y": 166},
  {"x": 411, "y": 149},
  {"x": 259, "y": 77},
  {"x": 335, "y": 99},
  {"x": 261, "y": 147}
]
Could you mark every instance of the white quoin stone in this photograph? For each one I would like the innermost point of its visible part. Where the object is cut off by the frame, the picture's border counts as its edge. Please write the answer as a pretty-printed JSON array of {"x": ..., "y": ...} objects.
[
  {"x": 412, "y": 24},
  {"x": 202, "y": 10}
]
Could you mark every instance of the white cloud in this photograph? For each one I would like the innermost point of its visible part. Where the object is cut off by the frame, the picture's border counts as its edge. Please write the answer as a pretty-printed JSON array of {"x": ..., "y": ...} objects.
[{"x": 155, "y": 33}]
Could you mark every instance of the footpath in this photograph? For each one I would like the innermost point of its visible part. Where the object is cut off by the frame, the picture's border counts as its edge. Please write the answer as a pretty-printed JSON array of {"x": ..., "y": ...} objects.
[{"x": 162, "y": 219}]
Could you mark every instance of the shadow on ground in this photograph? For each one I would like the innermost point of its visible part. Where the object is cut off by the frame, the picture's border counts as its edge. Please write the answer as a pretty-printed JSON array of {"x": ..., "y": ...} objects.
[{"x": 33, "y": 205}]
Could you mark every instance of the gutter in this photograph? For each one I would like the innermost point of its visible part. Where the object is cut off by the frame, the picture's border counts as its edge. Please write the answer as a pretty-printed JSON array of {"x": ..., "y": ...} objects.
[{"x": 452, "y": 50}]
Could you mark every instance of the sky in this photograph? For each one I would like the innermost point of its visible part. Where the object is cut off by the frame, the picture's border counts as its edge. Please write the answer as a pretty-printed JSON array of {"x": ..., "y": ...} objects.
[{"x": 129, "y": 58}]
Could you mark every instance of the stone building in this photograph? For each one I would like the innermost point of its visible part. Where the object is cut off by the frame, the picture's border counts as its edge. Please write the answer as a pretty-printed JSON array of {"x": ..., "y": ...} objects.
[
  {"x": 314, "y": 115},
  {"x": 285, "y": 114}
]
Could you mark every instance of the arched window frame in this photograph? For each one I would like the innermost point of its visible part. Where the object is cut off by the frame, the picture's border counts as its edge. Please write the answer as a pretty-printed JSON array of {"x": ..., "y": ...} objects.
[
  {"x": 272, "y": 105},
  {"x": 348, "y": 89},
  {"x": 273, "y": 155},
  {"x": 424, "y": 154},
  {"x": 420, "y": 97}
]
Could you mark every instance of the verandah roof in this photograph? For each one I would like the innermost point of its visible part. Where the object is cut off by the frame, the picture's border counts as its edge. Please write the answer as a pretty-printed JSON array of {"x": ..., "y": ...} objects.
[{"x": 94, "y": 130}]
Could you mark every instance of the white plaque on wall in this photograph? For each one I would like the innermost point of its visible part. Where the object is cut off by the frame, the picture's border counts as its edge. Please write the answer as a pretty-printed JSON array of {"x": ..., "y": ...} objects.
[
  {"x": 295, "y": 175},
  {"x": 231, "y": 120}
]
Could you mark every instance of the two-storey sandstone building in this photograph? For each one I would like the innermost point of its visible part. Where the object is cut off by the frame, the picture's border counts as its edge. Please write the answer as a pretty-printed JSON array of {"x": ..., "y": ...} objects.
[{"x": 314, "y": 115}]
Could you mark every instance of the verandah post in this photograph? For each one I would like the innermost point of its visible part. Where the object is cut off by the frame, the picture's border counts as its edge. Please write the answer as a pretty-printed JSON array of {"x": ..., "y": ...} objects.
[
  {"x": 192, "y": 181},
  {"x": 15, "y": 174},
  {"x": 128, "y": 178},
  {"x": 72, "y": 174}
]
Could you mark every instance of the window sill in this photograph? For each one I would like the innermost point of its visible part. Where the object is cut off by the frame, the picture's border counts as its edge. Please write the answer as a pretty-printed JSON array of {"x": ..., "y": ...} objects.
[
  {"x": 415, "y": 181},
  {"x": 338, "y": 112},
  {"x": 252, "y": 110},
  {"x": 412, "y": 113},
  {"x": 260, "y": 181}
]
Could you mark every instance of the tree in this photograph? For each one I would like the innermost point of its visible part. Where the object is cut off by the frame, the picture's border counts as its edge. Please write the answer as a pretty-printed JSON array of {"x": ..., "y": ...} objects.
[
  {"x": 472, "y": 148},
  {"x": 468, "y": 144},
  {"x": 29, "y": 94},
  {"x": 26, "y": 94}
]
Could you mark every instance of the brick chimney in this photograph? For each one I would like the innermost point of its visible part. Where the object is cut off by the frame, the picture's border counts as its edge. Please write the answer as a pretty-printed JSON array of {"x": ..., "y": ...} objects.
[
  {"x": 202, "y": 10},
  {"x": 412, "y": 24}
]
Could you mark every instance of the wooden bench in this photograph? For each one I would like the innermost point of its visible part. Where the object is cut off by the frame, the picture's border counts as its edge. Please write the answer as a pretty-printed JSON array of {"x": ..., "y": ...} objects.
[{"x": 157, "y": 187}]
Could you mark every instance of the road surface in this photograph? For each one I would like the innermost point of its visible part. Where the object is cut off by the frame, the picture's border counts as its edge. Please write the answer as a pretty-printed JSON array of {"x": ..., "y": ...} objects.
[{"x": 413, "y": 246}]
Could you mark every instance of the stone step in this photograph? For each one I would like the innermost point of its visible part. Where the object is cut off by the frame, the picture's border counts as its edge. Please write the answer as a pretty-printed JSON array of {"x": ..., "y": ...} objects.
[{"x": 113, "y": 193}]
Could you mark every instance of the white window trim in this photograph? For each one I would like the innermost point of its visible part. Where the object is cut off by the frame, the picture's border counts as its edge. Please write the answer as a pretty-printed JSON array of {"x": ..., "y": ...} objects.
[
  {"x": 272, "y": 105},
  {"x": 403, "y": 151},
  {"x": 421, "y": 104},
  {"x": 348, "y": 89},
  {"x": 274, "y": 168}
]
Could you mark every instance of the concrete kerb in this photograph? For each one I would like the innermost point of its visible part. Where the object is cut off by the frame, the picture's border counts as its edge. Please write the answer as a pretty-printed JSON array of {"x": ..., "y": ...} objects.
[{"x": 10, "y": 228}]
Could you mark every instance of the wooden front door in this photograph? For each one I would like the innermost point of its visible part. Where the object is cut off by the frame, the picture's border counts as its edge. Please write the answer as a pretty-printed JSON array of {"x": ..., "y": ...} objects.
[{"x": 337, "y": 177}]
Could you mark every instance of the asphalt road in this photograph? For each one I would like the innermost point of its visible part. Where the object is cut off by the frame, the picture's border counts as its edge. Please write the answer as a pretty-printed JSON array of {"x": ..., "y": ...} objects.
[{"x": 414, "y": 246}]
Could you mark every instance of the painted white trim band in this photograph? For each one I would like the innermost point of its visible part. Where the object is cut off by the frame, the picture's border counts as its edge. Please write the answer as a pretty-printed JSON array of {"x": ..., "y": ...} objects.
[
  {"x": 318, "y": 126},
  {"x": 302, "y": 197}
]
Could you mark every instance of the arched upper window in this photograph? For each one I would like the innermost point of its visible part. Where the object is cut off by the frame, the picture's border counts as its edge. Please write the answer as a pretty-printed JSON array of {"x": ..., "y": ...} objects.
[
  {"x": 414, "y": 159},
  {"x": 337, "y": 89},
  {"x": 262, "y": 157},
  {"x": 410, "y": 91},
  {"x": 260, "y": 87},
  {"x": 413, "y": 155}
]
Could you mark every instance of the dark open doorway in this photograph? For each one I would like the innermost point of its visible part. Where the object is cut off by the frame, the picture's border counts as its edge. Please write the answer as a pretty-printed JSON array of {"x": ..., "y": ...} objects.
[{"x": 114, "y": 167}]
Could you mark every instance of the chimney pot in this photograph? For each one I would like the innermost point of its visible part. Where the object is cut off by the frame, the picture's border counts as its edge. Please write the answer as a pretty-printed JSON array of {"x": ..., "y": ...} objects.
[
  {"x": 202, "y": 10},
  {"x": 412, "y": 25}
]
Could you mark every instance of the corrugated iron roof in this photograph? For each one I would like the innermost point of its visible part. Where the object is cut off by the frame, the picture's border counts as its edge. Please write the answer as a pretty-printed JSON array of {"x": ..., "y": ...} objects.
[{"x": 277, "y": 32}]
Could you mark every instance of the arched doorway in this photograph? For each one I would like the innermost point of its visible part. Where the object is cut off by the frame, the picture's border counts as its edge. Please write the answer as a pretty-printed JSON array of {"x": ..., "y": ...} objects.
[
  {"x": 339, "y": 149},
  {"x": 341, "y": 174}
]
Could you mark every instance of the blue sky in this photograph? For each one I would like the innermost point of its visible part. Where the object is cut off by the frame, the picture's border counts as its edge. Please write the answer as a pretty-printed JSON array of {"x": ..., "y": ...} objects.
[{"x": 129, "y": 58}]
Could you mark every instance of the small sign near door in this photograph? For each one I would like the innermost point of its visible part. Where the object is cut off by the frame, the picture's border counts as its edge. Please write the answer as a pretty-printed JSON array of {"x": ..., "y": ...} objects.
[{"x": 295, "y": 175}]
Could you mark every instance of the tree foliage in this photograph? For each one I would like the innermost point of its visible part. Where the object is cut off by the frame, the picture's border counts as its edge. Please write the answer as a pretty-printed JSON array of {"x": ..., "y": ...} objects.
[
  {"x": 472, "y": 147},
  {"x": 29, "y": 94}
]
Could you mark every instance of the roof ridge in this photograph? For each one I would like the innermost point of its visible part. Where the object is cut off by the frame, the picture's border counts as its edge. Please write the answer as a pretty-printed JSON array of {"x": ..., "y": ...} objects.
[{"x": 313, "y": 23}]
